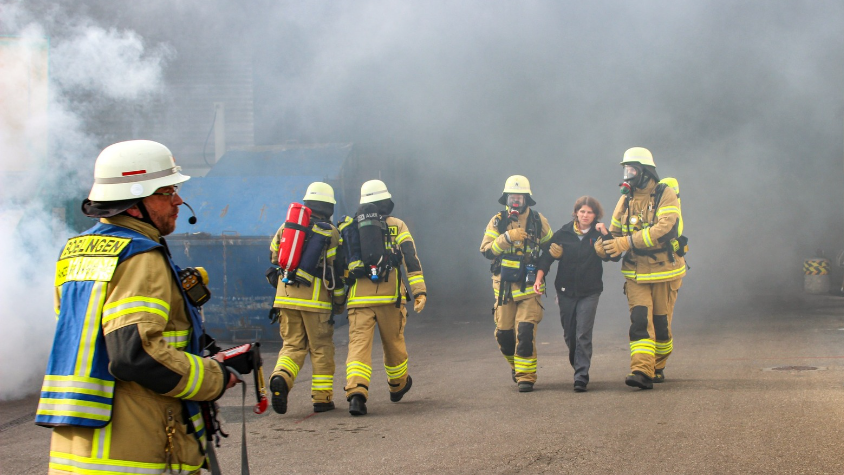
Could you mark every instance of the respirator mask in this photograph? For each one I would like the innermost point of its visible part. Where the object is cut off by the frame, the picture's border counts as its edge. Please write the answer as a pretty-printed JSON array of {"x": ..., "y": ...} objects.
[
  {"x": 515, "y": 205},
  {"x": 633, "y": 176}
]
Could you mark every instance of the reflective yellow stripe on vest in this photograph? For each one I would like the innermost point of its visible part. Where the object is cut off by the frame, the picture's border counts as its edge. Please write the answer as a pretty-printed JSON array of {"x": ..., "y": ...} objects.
[
  {"x": 78, "y": 384},
  {"x": 90, "y": 330},
  {"x": 74, "y": 408}
]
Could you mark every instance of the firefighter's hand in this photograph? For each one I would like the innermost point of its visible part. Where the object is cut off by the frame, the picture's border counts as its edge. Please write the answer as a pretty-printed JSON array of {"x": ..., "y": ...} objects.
[
  {"x": 517, "y": 234},
  {"x": 556, "y": 251},
  {"x": 220, "y": 357},
  {"x": 616, "y": 247},
  {"x": 419, "y": 302}
]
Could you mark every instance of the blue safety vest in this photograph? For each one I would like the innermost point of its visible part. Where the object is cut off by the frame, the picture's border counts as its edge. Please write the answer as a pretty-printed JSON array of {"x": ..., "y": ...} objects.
[{"x": 78, "y": 389}]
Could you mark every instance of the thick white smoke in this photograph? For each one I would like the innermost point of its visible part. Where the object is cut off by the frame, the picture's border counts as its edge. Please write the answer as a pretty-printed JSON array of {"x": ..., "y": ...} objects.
[{"x": 46, "y": 161}]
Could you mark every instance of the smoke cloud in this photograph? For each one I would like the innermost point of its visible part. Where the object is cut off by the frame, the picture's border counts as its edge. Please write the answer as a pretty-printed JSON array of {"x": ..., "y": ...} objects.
[
  {"x": 742, "y": 102},
  {"x": 46, "y": 159}
]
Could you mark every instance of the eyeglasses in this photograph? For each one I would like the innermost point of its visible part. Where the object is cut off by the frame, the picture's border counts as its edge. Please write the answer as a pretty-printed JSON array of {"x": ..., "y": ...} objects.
[{"x": 168, "y": 193}]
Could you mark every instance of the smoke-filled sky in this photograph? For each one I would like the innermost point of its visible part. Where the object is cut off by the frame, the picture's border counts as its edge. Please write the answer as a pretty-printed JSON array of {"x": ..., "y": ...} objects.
[{"x": 741, "y": 101}]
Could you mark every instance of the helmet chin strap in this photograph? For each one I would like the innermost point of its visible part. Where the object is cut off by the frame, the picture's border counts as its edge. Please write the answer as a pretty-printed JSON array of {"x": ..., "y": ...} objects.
[{"x": 145, "y": 215}]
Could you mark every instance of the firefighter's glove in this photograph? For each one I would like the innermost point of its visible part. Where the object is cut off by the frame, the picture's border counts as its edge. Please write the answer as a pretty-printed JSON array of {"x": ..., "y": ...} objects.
[
  {"x": 556, "y": 251},
  {"x": 419, "y": 302},
  {"x": 516, "y": 234},
  {"x": 616, "y": 247},
  {"x": 599, "y": 249}
]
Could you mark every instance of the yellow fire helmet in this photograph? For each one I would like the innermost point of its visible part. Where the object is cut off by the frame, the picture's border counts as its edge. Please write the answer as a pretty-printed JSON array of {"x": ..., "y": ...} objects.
[
  {"x": 319, "y": 191},
  {"x": 638, "y": 155},
  {"x": 517, "y": 184}
]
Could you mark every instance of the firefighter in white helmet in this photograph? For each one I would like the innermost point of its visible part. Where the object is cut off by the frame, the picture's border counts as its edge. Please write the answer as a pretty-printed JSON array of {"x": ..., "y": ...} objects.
[
  {"x": 642, "y": 229},
  {"x": 306, "y": 305},
  {"x": 125, "y": 374},
  {"x": 512, "y": 241},
  {"x": 379, "y": 297}
]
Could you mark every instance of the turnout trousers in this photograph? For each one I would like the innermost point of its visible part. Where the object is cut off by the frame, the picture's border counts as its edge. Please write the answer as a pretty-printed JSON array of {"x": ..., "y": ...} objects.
[
  {"x": 307, "y": 333},
  {"x": 651, "y": 312},
  {"x": 391, "y": 322},
  {"x": 515, "y": 332}
]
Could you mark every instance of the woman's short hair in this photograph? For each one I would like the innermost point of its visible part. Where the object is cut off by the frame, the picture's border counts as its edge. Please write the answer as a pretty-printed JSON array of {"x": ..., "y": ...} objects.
[{"x": 590, "y": 202}]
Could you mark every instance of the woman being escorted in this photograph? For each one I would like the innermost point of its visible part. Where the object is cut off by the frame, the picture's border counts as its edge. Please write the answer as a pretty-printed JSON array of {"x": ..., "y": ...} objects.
[{"x": 579, "y": 281}]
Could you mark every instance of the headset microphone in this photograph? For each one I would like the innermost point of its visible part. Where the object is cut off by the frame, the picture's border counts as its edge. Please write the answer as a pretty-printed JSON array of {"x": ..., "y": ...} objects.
[{"x": 192, "y": 219}]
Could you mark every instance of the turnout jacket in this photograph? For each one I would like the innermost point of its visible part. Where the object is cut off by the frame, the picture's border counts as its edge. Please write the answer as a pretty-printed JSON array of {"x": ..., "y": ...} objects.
[
  {"x": 492, "y": 250},
  {"x": 581, "y": 271},
  {"x": 125, "y": 366},
  {"x": 365, "y": 293},
  {"x": 316, "y": 298},
  {"x": 648, "y": 259}
]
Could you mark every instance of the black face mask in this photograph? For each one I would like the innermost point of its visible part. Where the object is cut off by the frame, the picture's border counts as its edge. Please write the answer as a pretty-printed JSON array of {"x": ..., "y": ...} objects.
[
  {"x": 320, "y": 208},
  {"x": 385, "y": 207}
]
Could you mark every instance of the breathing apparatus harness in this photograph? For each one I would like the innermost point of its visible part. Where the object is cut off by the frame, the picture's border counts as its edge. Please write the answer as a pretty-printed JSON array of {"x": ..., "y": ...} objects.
[
  {"x": 520, "y": 265},
  {"x": 314, "y": 255},
  {"x": 673, "y": 242},
  {"x": 390, "y": 259}
]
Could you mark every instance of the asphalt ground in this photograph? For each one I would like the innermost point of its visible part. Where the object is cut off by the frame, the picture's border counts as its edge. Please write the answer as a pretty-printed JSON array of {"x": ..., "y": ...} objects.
[{"x": 748, "y": 392}]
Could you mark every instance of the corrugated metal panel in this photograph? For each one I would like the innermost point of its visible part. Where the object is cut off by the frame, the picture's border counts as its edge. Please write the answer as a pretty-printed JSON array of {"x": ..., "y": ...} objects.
[{"x": 247, "y": 193}]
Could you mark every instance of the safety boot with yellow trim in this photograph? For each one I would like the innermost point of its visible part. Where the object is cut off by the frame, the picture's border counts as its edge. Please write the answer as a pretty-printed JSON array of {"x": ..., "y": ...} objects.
[
  {"x": 659, "y": 376},
  {"x": 278, "y": 386}
]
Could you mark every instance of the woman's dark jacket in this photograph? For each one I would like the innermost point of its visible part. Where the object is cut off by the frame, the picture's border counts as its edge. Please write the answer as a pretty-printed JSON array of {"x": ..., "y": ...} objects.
[{"x": 581, "y": 271}]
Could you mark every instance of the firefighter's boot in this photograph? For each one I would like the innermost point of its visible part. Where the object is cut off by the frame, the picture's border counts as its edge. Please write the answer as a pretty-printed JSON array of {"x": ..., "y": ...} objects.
[
  {"x": 659, "y": 376},
  {"x": 279, "y": 389},
  {"x": 637, "y": 379},
  {"x": 357, "y": 405},
  {"x": 396, "y": 396},
  {"x": 323, "y": 406},
  {"x": 525, "y": 386}
]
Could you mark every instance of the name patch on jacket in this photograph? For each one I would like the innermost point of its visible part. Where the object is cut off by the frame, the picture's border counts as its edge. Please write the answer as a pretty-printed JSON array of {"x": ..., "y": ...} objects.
[{"x": 89, "y": 257}]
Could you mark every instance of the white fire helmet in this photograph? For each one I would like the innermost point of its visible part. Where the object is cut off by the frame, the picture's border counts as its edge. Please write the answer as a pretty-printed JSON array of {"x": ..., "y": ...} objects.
[
  {"x": 374, "y": 190},
  {"x": 133, "y": 170},
  {"x": 517, "y": 184},
  {"x": 319, "y": 191}
]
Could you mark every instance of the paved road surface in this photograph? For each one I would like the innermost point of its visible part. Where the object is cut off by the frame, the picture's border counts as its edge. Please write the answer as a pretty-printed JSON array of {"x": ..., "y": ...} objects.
[{"x": 723, "y": 409}]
